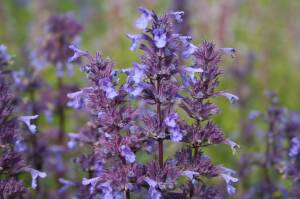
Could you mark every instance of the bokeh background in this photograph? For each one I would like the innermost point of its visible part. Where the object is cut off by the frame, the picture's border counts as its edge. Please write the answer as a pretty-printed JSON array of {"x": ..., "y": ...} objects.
[{"x": 266, "y": 34}]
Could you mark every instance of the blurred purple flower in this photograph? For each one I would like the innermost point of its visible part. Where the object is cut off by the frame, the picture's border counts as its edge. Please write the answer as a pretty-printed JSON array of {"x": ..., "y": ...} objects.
[{"x": 295, "y": 147}]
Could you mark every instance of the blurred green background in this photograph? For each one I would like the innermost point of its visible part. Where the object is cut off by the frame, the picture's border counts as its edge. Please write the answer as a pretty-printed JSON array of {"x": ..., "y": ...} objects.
[{"x": 270, "y": 29}]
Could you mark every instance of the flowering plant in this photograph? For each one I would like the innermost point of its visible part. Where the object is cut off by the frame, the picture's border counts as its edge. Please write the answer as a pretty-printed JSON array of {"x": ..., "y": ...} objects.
[
  {"x": 279, "y": 160},
  {"x": 142, "y": 115},
  {"x": 12, "y": 162}
]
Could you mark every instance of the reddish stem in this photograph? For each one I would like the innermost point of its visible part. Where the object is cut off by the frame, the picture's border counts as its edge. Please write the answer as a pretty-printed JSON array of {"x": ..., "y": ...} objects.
[{"x": 61, "y": 113}]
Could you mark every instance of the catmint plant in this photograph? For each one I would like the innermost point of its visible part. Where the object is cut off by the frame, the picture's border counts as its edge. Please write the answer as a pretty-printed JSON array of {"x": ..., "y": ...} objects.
[
  {"x": 12, "y": 163},
  {"x": 60, "y": 32},
  {"x": 146, "y": 112},
  {"x": 278, "y": 162}
]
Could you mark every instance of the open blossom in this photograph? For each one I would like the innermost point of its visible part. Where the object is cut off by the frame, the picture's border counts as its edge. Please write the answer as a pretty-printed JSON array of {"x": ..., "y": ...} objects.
[
  {"x": 35, "y": 174},
  {"x": 135, "y": 40},
  {"x": 77, "y": 53},
  {"x": 127, "y": 153},
  {"x": 171, "y": 120},
  {"x": 178, "y": 15},
  {"x": 160, "y": 38},
  {"x": 230, "y": 51},
  {"x": 77, "y": 100},
  {"x": 66, "y": 185},
  {"x": 143, "y": 20},
  {"x": 192, "y": 71},
  {"x": 27, "y": 121},
  {"x": 231, "y": 98},
  {"x": 4, "y": 56},
  {"x": 107, "y": 86},
  {"x": 226, "y": 174},
  {"x": 295, "y": 148}
]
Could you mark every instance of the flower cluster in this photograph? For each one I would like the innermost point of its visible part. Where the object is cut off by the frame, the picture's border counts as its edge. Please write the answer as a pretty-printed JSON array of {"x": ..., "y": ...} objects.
[
  {"x": 281, "y": 155},
  {"x": 12, "y": 162},
  {"x": 141, "y": 115},
  {"x": 60, "y": 32}
]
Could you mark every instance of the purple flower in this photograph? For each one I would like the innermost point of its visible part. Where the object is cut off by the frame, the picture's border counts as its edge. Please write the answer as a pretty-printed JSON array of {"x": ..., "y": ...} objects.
[
  {"x": 190, "y": 174},
  {"x": 174, "y": 129},
  {"x": 27, "y": 121},
  {"x": 191, "y": 72},
  {"x": 253, "y": 115},
  {"x": 66, "y": 185},
  {"x": 107, "y": 191},
  {"x": 107, "y": 86},
  {"x": 178, "y": 15},
  {"x": 60, "y": 32},
  {"x": 59, "y": 69},
  {"x": 176, "y": 135},
  {"x": 4, "y": 57},
  {"x": 189, "y": 50},
  {"x": 17, "y": 76},
  {"x": 91, "y": 181},
  {"x": 160, "y": 38},
  {"x": 188, "y": 47},
  {"x": 142, "y": 21},
  {"x": 72, "y": 143},
  {"x": 135, "y": 74},
  {"x": 295, "y": 147},
  {"x": 77, "y": 100},
  {"x": 229, "y": 51},
  {"x": 226, "y": 174},
  {"x": 152, "y": 192},
  {"x": 234, "y": 146},
  {"x": 137, "y": 91},
  {"x": 232, "y": 98},
  {"x": 170, "y": 121},
  {"x": 142, "y": 112},
  {"x": 35, "y": 174},
  {"x": 127, "y": 153},
  {"x": 77, "y": 53},
  {"x": 135, "y": 39}
]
